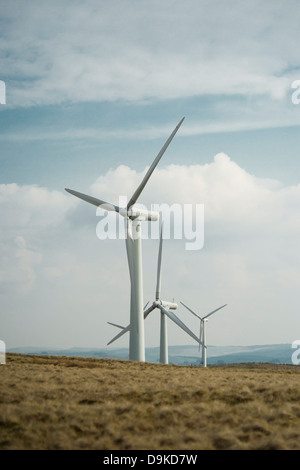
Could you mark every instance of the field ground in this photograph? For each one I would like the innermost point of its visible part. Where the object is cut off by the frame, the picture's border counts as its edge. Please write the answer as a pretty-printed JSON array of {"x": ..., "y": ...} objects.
[{"x": 72, "y": 403}]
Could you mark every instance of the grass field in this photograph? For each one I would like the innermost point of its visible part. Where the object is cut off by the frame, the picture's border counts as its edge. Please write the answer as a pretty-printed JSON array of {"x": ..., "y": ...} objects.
[{"x": 55, "y": 402}]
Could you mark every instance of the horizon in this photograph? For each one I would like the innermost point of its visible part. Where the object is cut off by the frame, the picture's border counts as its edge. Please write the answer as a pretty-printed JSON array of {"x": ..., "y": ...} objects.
[{"x": 183, "y": 355}]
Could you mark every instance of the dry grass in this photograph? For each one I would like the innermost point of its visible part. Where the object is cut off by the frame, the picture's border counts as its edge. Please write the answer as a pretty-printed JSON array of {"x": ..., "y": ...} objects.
[{"x": 49, "y": 402}]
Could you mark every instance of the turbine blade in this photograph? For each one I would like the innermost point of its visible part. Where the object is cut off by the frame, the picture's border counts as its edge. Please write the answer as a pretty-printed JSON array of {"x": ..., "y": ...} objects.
[
  {"x": 178, "y": 322},
  {"x": 146, "y": 305},
  {"x": 191, "y": 310},
  {"x": 124, "y": 330},
  {"x": 93, "y": 200},
  {"x": 158, "y": 282},
  {"x": 114, "y": 324},
  {"x": 128, "y": 242},
  {"x": 209, "y": 314},
  {"x": 127, "y": 328},
  {"x": 140, "y": 188},
  {"x": 149, "y": 310}
]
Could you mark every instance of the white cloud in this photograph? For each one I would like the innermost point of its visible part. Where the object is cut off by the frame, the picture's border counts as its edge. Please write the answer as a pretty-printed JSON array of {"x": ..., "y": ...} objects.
[
  {"x": 59, "y": 284},
  {"x": 27, "y": 260},
  {"x": 145, "y": 50}
]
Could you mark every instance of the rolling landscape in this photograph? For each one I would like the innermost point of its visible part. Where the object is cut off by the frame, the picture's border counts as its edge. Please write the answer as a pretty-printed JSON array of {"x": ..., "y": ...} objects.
[
  {"x": 56, "y": 402},
  {"x": 182, "y": 354}
]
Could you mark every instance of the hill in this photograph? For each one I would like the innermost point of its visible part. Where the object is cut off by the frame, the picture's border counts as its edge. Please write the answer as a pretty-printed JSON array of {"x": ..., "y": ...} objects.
[
  {"x": 183, "y": 355},
  {"x": 70, "y": 403}
]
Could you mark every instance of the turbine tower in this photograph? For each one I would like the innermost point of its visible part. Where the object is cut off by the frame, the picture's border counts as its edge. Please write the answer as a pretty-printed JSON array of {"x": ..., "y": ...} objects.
[
  {"x": 202, "y": 334},
  {"x": 132, "y": 219},
  {"x": 164, "y": 307}
]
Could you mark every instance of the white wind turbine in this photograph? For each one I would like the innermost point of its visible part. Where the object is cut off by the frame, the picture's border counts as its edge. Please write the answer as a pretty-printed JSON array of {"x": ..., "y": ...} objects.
[
  {"x": 202, "y": 334},
  {"x": 164, "y": 307},
  {"x": 132, "y": 219}
]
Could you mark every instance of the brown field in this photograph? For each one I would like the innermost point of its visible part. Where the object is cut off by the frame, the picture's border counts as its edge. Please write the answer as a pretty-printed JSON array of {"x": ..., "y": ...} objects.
[{"x": 49, "y": 402}]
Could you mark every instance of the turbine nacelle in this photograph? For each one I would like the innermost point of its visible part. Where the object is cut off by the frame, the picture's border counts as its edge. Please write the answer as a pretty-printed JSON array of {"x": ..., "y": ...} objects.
[
  {"x": 135, "y": 213},
  {"x": 165, "y": 304}
]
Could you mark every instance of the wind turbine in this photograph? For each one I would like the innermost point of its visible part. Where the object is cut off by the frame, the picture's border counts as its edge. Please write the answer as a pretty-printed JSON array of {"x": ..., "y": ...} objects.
[
  {"x": 202, "y": 334},
  {"x": 164, "y": 307},
  {"x": 132, "y": 219}
]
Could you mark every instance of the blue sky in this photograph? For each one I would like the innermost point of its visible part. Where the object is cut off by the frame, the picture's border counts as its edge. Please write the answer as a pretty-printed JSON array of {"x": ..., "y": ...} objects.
[{"x": 93, "y": 91}]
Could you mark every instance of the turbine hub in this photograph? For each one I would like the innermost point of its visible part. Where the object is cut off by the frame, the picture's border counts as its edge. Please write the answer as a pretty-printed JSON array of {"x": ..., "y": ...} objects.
[
  {"x": 142, "y": 214},
  {"x": 165, "y": 304}
]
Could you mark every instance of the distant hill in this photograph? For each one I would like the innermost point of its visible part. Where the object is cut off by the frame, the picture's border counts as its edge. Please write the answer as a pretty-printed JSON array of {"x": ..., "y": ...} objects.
[{"x": 183, "y": 355}]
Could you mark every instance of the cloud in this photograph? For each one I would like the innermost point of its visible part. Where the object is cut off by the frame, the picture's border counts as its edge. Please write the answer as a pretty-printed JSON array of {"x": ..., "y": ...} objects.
[
  {"x": 229, "y": 193},
  {"x": 140, "y": 51},
  {"x": 29, "y": 216},
  {"x": 261, "y": 114},
  {"x": 58, "y": 282}
]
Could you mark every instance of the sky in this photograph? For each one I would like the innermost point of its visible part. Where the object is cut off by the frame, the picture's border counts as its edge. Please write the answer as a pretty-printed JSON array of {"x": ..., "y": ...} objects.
[{"x": 93, "y": 90}]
